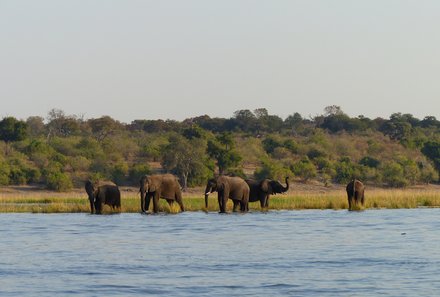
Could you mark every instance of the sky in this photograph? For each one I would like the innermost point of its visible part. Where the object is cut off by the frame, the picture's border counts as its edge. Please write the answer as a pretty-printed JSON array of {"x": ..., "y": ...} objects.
[{"x": 179, "y": 59}]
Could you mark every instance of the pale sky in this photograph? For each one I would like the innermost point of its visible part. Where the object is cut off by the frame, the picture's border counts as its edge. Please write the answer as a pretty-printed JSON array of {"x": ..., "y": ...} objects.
[{"x": 178, "y": 59}]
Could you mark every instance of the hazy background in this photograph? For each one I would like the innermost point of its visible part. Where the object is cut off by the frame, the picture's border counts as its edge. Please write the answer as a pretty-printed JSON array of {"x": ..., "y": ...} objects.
[{"x": 179, "y": 59}]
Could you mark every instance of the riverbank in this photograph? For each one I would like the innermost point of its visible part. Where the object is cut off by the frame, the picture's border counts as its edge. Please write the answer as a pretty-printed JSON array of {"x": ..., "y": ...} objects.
[{"x": 301, "y": 196}]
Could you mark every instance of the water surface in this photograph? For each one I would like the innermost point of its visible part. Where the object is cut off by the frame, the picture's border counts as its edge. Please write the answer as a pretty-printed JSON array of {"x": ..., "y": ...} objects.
[{"x": 279, "y": 253}]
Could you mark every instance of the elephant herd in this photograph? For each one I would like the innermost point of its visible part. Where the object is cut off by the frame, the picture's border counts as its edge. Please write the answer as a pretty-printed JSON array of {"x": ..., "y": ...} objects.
[{"x": 166, "y": 186}]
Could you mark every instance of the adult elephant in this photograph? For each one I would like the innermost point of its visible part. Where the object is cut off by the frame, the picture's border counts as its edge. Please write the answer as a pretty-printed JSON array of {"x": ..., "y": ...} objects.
[
  {"x": 158, "y": 186},
  {"x": 232, "y": 187},
  {"x": 355, "y": 192},
  {"x": 261, "y": 190},
  {"x": 102, "y": 194}
]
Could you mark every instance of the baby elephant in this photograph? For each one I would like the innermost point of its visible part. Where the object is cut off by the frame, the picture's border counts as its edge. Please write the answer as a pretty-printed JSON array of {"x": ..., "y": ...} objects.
[
  {"x": 355, "y": 192},
  {"x": 102, "y": 194}
]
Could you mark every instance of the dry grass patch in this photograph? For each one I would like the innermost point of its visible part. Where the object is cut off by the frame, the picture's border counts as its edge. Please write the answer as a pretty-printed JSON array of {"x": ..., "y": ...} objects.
[{"x": 51, "y": 202}]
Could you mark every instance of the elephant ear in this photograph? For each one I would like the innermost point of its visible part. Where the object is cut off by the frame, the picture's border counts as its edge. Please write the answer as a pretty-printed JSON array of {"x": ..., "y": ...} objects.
[
  {"x": 153, "y": 185},
  {"x": 89, "y": 187},
  {"x": 266, "y": 187}
]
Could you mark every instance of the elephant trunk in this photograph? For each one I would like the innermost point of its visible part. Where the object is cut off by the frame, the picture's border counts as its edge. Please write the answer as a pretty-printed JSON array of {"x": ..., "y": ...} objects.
[
  {"x": 286, "y": 188},
  {"x": 92, "y": 203},
  {"x": 207, "y": 192},
  {"x": 142, "y": 193},
  {"x": 206, "y": 200}
]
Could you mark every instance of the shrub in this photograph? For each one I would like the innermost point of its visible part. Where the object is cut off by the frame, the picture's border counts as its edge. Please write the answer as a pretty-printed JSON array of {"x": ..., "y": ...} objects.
[
  {"x": 119, "y": 172},
  {"x": 273, "y": 170},
  {"x": 393, "y": 175},
  {"x": 17, "y": 176},
  {"x": 304, "y": 169},
  {"x": 59, "y": 181},
  {"x": 4, "y": 174},
  {"x": 345, "y": 170},
  {"x": 370, "y": 162},
  {"x": 136, "y": 171}
]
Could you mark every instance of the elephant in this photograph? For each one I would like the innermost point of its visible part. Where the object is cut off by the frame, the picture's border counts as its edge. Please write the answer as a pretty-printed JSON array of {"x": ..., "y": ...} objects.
[
  {"x": 228, "y": 187},
  {"x": 355, "y": 192},
  {"x": 102, "y": 193},
  {"x": 164, "y": 186},
  {"x": 261, "y": 190}
]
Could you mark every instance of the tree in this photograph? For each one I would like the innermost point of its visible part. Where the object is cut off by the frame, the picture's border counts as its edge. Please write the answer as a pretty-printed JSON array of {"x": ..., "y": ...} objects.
[
  {"x": 35, "y": 126},
  {"x": 184, "y": 157},
  {"x": 61, "y": 125},
  {"x": 222, "y": 150},
  {"x": 103, "y": 127},
  {"x": 11, "y": 130},
  {"x": 431, "y": 150}
]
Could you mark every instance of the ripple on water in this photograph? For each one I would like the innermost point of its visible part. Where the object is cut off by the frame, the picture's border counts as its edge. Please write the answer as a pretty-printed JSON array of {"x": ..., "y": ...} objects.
[{"x": 296, "y": 253}]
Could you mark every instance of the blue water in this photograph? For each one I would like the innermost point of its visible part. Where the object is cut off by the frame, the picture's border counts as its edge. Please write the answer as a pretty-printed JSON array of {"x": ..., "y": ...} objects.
[{"x": 279, "y": 253}]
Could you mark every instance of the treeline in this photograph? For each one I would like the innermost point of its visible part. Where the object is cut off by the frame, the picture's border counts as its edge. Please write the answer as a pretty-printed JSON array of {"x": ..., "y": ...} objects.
[{"x": 61, "y": 151}]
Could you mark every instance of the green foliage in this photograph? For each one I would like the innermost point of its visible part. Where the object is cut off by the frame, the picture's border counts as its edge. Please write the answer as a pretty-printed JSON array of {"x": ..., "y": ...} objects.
[
  {"x": 272, "y": 170},
  {"x": 331, "y": 147},
  {"x": 345, "y": 170},
  {"x": 136, "y": 171},
  {"x": 12, "y": 129},
  {"x": 4, "y": 174},
  {"x": 222, "y": 150},
  {"x": 393, "y": 175},
  {"x": 56, "y": 179},
  {"x": 431, "y": 149},
  {"x": 186, "y": 158},
  {"x": 59, "y": 181},
  {"x": 304, "y": 169},
  {"x": 119, "y": 172},
  {"x": 369, "y": 162}
]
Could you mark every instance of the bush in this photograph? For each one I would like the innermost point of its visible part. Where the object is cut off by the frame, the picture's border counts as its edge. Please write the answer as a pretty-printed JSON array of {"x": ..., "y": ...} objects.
[
  {"x": 59, "y": 181},
  {"x": 370, "y": 162},
  {"x": 428, "y": 173},
  {"x": 345, "y": 171},
  {"x": 304, "y": 169},
  {"x": 273, "y": 170},
  {"x": 393, "y": 175},
  {"x": 17, "y": 176},
  {"x": 4, "y": 174},
  {"x": 119, "y": 173},
  {"x": 136, "y": 171}
]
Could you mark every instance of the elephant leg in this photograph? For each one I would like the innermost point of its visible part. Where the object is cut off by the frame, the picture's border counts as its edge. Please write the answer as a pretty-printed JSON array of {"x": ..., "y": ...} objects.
[
  {"x": 156, "y": 202},
  {"x": 220, "y": 203},
  {"x": 143, "y": 202},
  {"x": 349, "y": 203},
  {"x": 91, "y": 207},
  {"x": 179, "y": 201},
  {"x": 224, "y": 203},
  {"x": 362, "y": 200},
  {"x": 170, "y": 203},
  {"x": 98, "y": 207},
  {"x": 147, "y": 202},
  {"x": 234, "y": 208},
  {"x": 244, "y": 205}
]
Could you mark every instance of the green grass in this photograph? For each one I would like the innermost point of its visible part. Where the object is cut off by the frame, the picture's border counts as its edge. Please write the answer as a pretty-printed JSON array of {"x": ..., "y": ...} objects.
[{"x": 77, "y": 202}]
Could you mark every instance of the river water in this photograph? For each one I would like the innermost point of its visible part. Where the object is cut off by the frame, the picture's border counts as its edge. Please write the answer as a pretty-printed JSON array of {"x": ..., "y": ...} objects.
[{"x": 278, "y": 253}]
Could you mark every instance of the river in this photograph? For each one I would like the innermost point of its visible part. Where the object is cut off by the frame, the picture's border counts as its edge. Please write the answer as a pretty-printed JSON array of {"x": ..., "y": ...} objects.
[{"x": 277, "y": 253}]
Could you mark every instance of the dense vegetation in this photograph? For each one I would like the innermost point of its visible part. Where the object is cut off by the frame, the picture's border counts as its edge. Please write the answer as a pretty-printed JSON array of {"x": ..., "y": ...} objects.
[{"x": 62, "y": 150}]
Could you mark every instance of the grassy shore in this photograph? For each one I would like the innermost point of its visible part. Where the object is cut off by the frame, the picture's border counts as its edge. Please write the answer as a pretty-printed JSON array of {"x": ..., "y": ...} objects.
[{"x": 76, "y": 201}]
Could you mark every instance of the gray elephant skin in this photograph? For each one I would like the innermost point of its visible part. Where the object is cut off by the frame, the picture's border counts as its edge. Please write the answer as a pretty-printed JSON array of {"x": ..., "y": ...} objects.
[
  {"x": 355, "y": 193},
  {"x": 102, "y": 194},
  {"x": 261, "y": 190},
  {"x": 157, "y": 186},
  {"x": 232, "y": 187}
]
